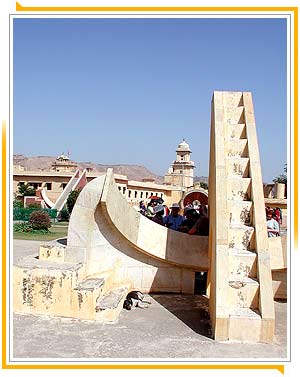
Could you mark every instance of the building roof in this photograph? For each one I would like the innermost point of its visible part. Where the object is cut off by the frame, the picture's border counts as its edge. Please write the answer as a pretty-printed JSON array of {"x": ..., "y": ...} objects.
[{"x": 183, "y": 146}]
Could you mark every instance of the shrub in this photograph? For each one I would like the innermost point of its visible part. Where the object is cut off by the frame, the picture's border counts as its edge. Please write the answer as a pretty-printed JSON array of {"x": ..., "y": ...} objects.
[
  {"x": 23, "y": 227},
  {"x": 33, "y": 206},
  {"x": 64, "y": 215},
  {"x": 17, "y": 204},
  {"x": 40, "y": 220}
]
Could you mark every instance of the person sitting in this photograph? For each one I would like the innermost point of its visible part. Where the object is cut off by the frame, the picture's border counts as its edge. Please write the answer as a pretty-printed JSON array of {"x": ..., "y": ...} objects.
[
  {"x": 159, "y": 213},
  {"x": 174, "y": 220},
  {"x": 201, "y": 227},
  {"x": 272, "y": 225},
  {"x": 191, "y": 216}
]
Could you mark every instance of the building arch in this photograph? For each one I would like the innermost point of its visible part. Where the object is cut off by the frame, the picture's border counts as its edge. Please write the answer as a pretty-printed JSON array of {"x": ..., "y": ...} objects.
[{"x": 196, "y": 194}]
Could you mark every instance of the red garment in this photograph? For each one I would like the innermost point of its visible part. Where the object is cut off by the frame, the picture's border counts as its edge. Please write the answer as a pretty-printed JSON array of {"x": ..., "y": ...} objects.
[{"x": 277, "y": 214}]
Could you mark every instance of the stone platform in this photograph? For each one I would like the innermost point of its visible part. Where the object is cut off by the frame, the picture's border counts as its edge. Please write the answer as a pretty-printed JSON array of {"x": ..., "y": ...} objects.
[{"x": 174, "y": 326}]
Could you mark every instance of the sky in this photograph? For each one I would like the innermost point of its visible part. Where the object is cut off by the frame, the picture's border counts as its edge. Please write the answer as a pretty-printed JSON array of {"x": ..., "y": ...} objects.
[{"x": 128, "y": 90}]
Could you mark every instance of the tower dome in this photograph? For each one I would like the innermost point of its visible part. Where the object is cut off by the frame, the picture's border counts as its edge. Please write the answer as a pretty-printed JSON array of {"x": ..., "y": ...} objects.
[{"x": 183, "y": 147}]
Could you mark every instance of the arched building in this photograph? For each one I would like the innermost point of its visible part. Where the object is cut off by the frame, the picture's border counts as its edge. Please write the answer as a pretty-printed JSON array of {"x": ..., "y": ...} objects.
[{"x": 195, "y": 195}]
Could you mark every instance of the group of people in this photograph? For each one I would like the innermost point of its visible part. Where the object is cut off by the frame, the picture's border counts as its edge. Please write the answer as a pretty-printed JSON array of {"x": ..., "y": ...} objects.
[
  {"x": 274, "y": 220},
  {"x": 193, "y": 221}
]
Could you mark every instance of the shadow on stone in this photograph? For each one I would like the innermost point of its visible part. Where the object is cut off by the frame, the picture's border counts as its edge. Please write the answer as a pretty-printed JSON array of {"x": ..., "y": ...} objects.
[
  {"x": 62, "y": 241},
  {"x": 193, "y": 310}
]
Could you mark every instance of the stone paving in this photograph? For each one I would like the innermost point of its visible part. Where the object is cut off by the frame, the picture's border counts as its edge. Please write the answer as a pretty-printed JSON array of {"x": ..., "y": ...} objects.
[{"x": 173, "y": 327}]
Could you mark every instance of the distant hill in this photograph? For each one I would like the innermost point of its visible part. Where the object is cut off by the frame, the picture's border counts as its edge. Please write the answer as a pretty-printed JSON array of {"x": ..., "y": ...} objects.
[
  {"x": 201, "y": 179},
  {"x": 43, "y": 163},
  {"x": 133, "y": 172}
]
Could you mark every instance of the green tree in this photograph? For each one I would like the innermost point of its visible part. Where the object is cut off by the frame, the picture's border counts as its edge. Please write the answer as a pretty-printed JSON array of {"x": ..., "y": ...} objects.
[
  {"x": 24, "y": 189},
  {"x": 204, "y": 185},
  {"x": 72, "y": 200},
  {"x": 282, "y": 178}
]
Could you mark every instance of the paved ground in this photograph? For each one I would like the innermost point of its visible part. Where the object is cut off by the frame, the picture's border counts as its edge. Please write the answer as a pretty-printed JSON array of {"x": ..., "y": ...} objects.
[{"x": 174, "y": 326}]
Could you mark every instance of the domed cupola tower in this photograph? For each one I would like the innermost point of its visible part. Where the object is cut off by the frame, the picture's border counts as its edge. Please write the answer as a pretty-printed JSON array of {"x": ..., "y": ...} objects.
[{"x": 181, "y": 171}]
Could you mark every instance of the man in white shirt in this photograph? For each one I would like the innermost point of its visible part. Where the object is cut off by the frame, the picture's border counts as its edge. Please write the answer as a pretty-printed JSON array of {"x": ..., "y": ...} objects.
[{"x": 272, "y": 226}]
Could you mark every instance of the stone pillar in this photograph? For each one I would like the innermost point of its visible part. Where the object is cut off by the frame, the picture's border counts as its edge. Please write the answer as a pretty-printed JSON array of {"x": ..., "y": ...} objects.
[{"x": 279, "y": 190}]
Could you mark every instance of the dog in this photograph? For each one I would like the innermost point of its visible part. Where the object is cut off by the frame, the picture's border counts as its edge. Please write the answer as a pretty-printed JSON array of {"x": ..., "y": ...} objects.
[{"x": 135, "y": 299}]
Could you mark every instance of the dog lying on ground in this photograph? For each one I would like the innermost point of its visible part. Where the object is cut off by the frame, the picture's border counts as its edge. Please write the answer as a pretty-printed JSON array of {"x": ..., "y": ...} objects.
[{"x": 135, "y": 299}]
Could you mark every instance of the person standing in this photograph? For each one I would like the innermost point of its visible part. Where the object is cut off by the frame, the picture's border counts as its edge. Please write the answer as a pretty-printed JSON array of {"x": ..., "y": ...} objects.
[
  {"x": 150, "y": 209},
  {"x": 143, "y": 209},
  {"x": 201, "y": 227},
  {"x": 272, "y": 225},
  {"x": 191, "y": 216},
  {"x": 174, "y": 220},
  {"x": 159, "y": 214}
]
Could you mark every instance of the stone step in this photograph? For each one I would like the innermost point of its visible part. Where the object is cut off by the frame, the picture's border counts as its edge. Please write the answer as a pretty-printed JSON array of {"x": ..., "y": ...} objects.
[
  {"x": 110, "y": 305},
  {"x": 243, "y": 292},
  {"x": 239, "y": 212},
  {"x": 85, "y": 296},
  {"x": 242, "y": 264},
  {"x": 33, "y": 262},
  {"x": 233, "y": 99},
  {"x": 237, "y": 167},
  {"x": 45, "y": 287},
  {"x": 238, "y": 188},
  {"x": 236, "y": 131},
  {"x": 90, "y": 291},
  {"x": 237, "y": 148},
  {"x": 108, "y": 277},
  {"x": 234, "y": 115},
  {"x": 52, "y": 252},
  {"x": 244, "y": 325},
  {"x": 241, "y": 237}
]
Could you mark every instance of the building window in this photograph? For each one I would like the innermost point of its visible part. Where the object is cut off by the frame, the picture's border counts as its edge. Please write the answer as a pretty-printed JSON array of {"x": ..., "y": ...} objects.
[
  {"x": 135, "y": 194},
  {"x": 119, "y": 188},
  {"x": 129, "y": 193},
  {"x": 141, "y": 194},
  {"x": 156, "y": 194},
  {"x": 64, "y": 185},
  {"x": 49, "y": 186},
  {"x": 124, "y": 190},
  {"x": 35, "y": 185},
  {"x": 146, "y": 194},
  {"x": 151, "y": 193},
  {"x": 161, "y": 195}
]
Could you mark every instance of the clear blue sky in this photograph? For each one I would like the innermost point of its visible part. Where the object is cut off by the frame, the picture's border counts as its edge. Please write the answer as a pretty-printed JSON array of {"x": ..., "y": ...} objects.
[{"x": 127, "y": 91}]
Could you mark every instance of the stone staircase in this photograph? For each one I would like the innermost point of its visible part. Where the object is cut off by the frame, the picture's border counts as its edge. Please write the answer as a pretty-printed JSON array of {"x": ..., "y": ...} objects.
[
  {"x": 244, "y": 308},
  {"x": 48, "y": 285}
]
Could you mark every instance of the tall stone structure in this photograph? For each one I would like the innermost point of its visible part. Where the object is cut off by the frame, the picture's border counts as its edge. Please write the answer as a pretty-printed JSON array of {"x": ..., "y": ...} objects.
[
  {"x": 241, "y": 296},
  {"x": 181, "y": 171}
]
